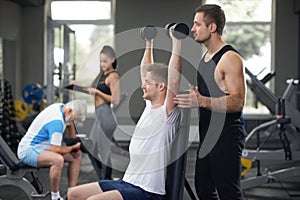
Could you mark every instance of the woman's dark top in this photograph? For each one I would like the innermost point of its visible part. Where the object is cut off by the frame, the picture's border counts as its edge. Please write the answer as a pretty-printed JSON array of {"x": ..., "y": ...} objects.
[{"x": 101, "y": 84}]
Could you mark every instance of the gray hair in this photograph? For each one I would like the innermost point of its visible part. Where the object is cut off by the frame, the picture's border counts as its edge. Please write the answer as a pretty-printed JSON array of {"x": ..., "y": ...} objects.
[{"x": 78, "y": 108}]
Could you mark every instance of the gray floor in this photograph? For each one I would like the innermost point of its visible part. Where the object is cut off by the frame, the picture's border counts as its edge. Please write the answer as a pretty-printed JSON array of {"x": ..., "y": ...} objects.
[{"x": 288, "y": 189}]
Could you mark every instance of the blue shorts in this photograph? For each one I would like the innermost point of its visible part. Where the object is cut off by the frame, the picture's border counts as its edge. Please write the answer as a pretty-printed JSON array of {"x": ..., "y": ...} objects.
[
  {"x": 31, "y": 157},
  {"x": 128, "y": 191}
]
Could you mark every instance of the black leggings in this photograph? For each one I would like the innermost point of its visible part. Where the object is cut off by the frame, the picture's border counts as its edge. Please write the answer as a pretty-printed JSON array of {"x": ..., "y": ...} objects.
[{"x": 217, "y": 175}]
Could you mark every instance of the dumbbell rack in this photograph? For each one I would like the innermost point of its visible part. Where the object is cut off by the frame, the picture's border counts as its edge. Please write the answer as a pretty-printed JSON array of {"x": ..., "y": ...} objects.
[{"x": 8, "y": 127}]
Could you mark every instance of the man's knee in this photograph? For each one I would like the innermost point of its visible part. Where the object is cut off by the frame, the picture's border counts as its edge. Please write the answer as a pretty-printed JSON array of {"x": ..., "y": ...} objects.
[
  {"x": 72, "y": 194},
  {"x": 77, "y": 156},
  {"x": 58, "y": 161}
]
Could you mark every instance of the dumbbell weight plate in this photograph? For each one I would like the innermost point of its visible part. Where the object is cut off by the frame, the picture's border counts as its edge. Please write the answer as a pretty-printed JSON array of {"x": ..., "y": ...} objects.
[
  {"x": 181, "y": 31},
  {"x": 21, "y": 110},
  {"x": 149, "y": 32},
  {"x": 168, "y": 26},
  {"x": 246, "y": 166},
  {"x": 32, "y": 93}
]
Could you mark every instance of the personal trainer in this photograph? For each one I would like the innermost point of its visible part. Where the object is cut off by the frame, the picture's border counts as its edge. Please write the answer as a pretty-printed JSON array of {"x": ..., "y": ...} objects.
[{"x": 221, "y": 93}]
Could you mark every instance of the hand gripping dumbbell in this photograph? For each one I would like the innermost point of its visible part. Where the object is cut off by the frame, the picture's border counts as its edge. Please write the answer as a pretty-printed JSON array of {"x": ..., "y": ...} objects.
[
  {"x": 179, "y": 31},
  {"x": 84, "y": 143},
  {"x": 148, "y": 32}
]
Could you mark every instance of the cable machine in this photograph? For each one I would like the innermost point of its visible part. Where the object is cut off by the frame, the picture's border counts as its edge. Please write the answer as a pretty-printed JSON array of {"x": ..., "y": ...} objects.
[{"x": 61, "y": 71}]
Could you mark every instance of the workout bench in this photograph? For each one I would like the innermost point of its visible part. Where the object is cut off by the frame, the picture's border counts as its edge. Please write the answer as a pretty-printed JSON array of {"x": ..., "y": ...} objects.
[
  {"x": 176, "y": 180},
  {"x": 15, "y": 174}
]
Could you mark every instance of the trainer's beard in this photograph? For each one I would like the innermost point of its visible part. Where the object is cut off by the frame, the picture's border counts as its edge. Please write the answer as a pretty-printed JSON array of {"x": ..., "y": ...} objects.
[{"x": 203, "y": 40}]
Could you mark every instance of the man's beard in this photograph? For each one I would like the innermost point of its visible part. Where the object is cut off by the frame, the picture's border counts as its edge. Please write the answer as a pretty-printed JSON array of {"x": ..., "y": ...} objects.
[{"x": 203, "y": 40}]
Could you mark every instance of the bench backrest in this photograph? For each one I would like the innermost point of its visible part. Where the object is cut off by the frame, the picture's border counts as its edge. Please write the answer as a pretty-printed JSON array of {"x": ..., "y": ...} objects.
[
  {"x": 8, "y": 157},
  {"x": 176, "y": 170}
]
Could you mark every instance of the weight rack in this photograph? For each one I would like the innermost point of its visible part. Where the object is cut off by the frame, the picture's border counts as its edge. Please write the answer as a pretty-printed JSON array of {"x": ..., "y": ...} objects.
[{"x": 8, "y": 127}]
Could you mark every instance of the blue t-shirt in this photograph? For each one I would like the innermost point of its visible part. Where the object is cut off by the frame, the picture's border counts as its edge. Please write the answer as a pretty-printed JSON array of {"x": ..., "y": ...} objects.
[{"x": 47, "y": 128}]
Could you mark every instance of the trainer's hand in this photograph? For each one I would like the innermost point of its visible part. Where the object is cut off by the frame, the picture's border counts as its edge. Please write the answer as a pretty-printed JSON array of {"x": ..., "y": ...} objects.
[{"x": 189, "y": 100}]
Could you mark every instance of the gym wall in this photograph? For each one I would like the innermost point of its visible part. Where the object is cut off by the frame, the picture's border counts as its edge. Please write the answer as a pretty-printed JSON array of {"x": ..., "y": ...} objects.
[
  {"x": 286, "y": 39},
  {"x": 10, "y": 28},
  {"x": 22, "y": 31}
]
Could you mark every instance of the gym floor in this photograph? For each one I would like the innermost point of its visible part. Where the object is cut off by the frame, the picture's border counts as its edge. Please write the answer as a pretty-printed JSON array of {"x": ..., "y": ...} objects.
[{"x": 288, "y": 189}]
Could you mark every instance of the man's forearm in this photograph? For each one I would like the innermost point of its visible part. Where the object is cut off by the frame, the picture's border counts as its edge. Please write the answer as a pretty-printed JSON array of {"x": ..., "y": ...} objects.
[
  {"x": 175, "y": 67},
  {"x": 147, "y": 57},
  {"x": 174, "y": 74},
  {"x": 230, "y": 103}
]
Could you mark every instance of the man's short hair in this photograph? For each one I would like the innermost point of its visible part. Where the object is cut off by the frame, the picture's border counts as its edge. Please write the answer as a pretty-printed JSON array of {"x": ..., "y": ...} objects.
[
  {"x": 213, "y": 14},
  {"x": 78, "y": 108},
  {"x": 159, "y": 72}
]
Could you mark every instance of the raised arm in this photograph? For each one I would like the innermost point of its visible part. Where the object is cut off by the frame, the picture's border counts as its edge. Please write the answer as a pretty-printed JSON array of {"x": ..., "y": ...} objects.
[
  {"x": 174, "y": 73},
  {"x": 147, "y": 57}
]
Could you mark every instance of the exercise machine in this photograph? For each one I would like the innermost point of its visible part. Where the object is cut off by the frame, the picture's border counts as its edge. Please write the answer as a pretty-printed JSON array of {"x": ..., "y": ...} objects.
[
  {"x": 15, "y": 174},
  {"x": 176, "y": 180},
  {"x": 66, "y": 67},
  {"x": 287, "y": 115}
]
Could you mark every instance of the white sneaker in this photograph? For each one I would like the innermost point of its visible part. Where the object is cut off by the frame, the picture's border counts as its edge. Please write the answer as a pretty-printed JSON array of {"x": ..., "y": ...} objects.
[{"x": 59, "y": 198}]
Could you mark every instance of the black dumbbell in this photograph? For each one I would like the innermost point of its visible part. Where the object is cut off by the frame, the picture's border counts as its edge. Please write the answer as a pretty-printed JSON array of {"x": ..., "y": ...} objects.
[
  {"x": 180, "y": 30},
  {"x": 148, "y": 32},
  {"x": 84, "y": 143}
]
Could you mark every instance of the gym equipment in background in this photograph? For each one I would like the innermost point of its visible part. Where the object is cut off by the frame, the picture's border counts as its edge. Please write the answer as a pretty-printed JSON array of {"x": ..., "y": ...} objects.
[
  {"x": 32, "y": 93},
  {"x": 286, "y": 118},
  {"x": 8, "y": 127},
  {"x": 176, "y": 180},
  {"x": 21, "y": 110},
  {"x": 246, "y": 166},
  {"x": 59, "y": 74},
  {"x": 15, "y": 174}
]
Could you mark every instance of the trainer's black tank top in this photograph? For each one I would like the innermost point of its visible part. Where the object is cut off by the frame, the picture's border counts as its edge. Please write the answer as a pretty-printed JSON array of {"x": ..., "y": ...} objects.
[
  {"x": 101, "y": 84},
  {"x": 208, "y": 87}
]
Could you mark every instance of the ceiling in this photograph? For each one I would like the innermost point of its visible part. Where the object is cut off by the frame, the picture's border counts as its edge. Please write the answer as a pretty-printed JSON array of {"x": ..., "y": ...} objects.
[{"x": 34, "y": 3}]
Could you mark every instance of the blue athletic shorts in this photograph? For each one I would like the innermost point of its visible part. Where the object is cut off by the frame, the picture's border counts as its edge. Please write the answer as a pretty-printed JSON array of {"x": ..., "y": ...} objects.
[
  {"x": 128, "y": 191},
  {"x": 31, "y": 157}
]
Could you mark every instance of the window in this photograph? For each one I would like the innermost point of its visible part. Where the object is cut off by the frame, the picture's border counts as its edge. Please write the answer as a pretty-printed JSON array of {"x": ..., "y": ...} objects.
[
  {"x": 80, "y": 10},
  {"x": 248, "y": 29}
]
